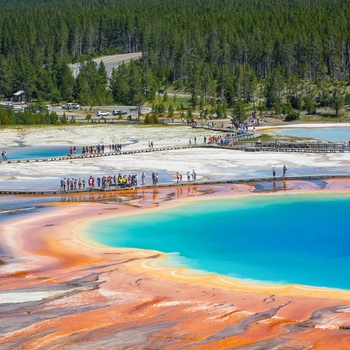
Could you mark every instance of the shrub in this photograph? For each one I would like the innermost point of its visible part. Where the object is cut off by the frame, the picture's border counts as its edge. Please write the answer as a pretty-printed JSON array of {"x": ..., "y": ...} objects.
[
  {"x": 151, "y": 118},
  {"x": 292, "y": 115}
]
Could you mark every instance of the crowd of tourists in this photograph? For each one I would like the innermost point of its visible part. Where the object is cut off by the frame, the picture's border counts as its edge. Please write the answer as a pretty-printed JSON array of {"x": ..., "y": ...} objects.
[
  {"x": 222, "y": 140},
  {"x": 253, "y": 120},
  {"x": 96, "y": 149},
  {"x": 101, "y": 182},
  {"x": 100, "y": 149},
  {"x": 114, "y": 181}
]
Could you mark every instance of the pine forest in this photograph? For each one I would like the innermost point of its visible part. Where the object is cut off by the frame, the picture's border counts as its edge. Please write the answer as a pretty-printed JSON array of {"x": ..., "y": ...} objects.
[{"x": 286, "y": 55}]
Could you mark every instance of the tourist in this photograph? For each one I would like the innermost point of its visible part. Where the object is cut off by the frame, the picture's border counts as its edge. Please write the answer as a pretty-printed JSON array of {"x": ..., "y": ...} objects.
[
  {"x": 91, "y": 182},
  {"x": 4, "y": 155},
  {"x": 284, "y": 171},
  {"x": 188, "y": 176},
  {"x": 134, "y": 180},
  {"x": 194, "y": 175},
  {"x": 63, "y": 184},
  {"x": 155, "y": 178},
  {"x": 143, "y": 177},
  {"x": 177, "y": 177},
  {"x": 273, "y": 171}
]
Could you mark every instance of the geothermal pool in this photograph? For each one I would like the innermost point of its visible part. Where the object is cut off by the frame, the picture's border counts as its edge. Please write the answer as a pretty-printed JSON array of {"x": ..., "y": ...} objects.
[
  {"x": 327, "y": 134},
  {"x": 290, "y": 239}
]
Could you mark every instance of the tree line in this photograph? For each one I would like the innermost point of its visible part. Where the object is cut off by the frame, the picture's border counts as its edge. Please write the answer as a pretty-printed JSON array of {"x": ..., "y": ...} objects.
[{"x": 221, "y": 51}]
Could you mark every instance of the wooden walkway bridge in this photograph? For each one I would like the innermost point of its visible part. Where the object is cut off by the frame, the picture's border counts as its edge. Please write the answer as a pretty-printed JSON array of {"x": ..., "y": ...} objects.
[
  {"x": 244, "y": 146},
  {"x": 175, "y": 184}
]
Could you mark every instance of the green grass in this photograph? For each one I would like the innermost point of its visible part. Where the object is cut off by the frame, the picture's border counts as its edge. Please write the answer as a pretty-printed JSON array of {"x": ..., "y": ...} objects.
[
  {"x": 267, "y": 137},
  {"x": 263, "y": 137}
]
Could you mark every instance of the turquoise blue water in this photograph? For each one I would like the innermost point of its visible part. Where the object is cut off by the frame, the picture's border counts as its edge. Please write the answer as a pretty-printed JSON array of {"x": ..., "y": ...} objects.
[
  {"x": 327, "y": 134},
  {"x": 36, "y": 152},
  {"x": 31, "y": 152},
  {"x": 298, "y": 239}
]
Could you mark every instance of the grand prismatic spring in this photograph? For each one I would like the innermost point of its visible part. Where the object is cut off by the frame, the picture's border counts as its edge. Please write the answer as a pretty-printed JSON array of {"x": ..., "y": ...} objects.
[{"x": 217, "y": 266}]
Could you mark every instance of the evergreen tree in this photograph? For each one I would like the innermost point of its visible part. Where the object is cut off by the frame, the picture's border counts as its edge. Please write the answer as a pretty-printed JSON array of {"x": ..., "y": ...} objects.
[
  {"x": 171, "y": 111},
  {"x": 310, "y": 104},
  {"x": 6, "y": 78},
  {"x": 239, "y": 112},
  {"x": 337, "y": 101},
  {"x": 64, "y": 81},
  {"x": 274, "y": 88}
]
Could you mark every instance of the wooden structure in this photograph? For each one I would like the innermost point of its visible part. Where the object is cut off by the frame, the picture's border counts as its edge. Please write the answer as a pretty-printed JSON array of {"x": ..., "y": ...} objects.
[{"x": 19, "y": 97}]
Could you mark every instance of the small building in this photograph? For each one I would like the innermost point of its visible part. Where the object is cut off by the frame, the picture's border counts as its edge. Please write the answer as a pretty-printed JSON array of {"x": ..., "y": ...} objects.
[{"x": 19, "y": 96}]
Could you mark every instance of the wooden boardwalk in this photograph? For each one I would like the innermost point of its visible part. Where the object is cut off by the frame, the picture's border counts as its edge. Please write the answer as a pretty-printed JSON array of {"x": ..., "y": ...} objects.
[
  {"x": 248, "y": 147},
  {"x": 305, "y": 147},
  {"x": 107, "y": 154},
  {"x": 240, "y": 136},
  {"x": 175, "y": 184}
]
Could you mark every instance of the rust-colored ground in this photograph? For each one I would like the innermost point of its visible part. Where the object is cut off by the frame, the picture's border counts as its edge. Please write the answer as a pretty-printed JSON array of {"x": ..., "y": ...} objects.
[{"x": 58, "y": 291}]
